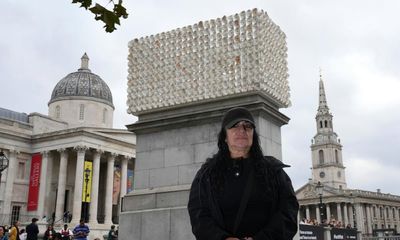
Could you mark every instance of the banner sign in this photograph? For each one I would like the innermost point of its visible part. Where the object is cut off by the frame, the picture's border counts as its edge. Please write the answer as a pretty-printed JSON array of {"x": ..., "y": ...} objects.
[
  {"x": 129, "y": 184},
  {"x": 310, "y": 232},
  {"x": 34, "y": 182},
  {"x": 343, "y": 234},
  {"x": 116, "y": 185},
  {"x": 87, "y": 181}
]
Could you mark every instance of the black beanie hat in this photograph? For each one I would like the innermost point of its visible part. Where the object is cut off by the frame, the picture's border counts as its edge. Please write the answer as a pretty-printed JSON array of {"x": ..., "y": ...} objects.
[{"x": 236, "y": 115}]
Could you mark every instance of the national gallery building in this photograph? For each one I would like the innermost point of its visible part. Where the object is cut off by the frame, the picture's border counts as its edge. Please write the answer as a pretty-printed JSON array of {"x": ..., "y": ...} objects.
[
  {"x": 70, "y": 164},
  {"x": 326, "y": 198}
]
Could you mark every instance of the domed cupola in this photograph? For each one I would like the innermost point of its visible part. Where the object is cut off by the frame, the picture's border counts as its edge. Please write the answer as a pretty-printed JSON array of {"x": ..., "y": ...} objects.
[
  {"x": 82, "y": 84},
  {"x": 82, "y": 99}
]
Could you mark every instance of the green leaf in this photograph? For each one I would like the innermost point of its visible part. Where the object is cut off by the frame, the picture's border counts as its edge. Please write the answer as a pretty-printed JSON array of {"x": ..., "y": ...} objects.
[
  {"x": 84, "y": 3},
  {"x": 119, "y": 10}
]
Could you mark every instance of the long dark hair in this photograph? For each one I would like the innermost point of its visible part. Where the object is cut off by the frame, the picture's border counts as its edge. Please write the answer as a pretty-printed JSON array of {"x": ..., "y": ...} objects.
[{"x": 217, "y": 164}]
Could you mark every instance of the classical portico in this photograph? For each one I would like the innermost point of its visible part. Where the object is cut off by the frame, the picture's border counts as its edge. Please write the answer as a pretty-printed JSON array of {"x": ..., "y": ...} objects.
[{"x": 78, "y": 163}]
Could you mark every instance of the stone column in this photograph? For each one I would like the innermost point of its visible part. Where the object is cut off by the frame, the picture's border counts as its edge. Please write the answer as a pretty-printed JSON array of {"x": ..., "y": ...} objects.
[
  {"x": 346, "y": 214},
  {"x": 351, "y": 215},
  {"x": 317, "y": 213},
  {"x": 124, "y": 175},
  {"x": 49, "y": 208},
  {"x": 43, "y": 185},
  {"x": 12, "y": 157},
  {"x": 109, "y": 189},
  {"x": 339, "y": 212},
  {"x": 77, "y": 206},
  {"x": 398, "y": 218},
  {"x": 359, "y": 217},
  {"x": 308, "y": 212},
  {"x": 62, "y": 182},
  {"x": 385, "y": 216},
  {"x": 369, "y": 220},
  {"x": 95, "y": 187},
  {"x": 328, "y": 212}
]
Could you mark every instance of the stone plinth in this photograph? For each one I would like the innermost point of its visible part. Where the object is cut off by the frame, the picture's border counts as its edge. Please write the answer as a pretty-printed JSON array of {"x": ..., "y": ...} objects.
[
  {"x": 171, "y": 146},
  {"x": 180, "y": 83}
]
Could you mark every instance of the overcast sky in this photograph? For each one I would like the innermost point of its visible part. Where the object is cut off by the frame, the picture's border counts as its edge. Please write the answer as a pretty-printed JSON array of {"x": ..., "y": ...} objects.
[{"x": 356, "y": 43}]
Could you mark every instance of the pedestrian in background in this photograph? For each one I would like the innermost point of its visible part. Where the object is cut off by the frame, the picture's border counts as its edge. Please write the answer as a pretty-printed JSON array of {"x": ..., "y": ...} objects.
[
  {"x": 32, "y": 230},
  {"x": 81, "y": 231},
  {"x": 14, "y": 231}
]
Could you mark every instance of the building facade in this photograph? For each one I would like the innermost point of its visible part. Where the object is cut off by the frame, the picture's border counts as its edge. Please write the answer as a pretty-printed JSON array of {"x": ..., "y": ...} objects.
[
  {"x": 367, "y": 211},
  {"x": 69, "y": 164}
]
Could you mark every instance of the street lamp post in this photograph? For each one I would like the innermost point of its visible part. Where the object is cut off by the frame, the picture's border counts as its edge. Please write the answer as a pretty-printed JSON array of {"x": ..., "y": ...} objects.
[
  {"x": 87, "y": 175},
  {"x": 3, "y": 162},
  {"x": 320, "y": 190}
]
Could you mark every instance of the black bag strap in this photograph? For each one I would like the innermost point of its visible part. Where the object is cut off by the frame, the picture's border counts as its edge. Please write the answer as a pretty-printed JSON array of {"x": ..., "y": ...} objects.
[{"x": 244, "y": 200}]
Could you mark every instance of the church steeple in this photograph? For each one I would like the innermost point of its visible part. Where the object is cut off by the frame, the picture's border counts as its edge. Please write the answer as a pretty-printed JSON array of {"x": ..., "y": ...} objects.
[
  {"x": 327, "y": 163},
  {"x": 323, "y": 105}
]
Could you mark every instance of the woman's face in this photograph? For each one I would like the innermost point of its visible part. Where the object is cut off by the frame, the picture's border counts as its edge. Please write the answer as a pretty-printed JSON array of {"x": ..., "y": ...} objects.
[
  {"x": 1, "y": 231},
  {"x": 117, "y": 184},
  {"x": 239, "y": 139}
]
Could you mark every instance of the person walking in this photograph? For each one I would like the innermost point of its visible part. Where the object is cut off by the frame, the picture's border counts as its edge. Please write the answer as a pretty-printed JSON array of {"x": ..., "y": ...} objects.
[
  {"x": 32, "y": 230},
  {"x": 14, "y": 231},
  {"x": 81, "y": 231},
  {"x": 240, "y": 194}
]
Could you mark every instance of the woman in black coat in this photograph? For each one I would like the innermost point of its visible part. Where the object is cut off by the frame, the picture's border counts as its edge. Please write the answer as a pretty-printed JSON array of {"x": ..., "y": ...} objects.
[{"x": 240, "y": 194}]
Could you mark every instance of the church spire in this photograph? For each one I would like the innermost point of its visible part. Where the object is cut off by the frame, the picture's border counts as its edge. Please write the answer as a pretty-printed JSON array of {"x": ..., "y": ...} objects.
[
  {"x": 323, "y": 105},
  {"x": 327, "y": 163}
]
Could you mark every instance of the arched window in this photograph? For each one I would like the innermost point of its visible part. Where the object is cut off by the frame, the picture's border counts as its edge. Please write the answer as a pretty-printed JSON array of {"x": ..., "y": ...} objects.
[
  {"x": 326, "y": 123},
  {"x": 58, "y": 111},
  {"x": 393, "y": 213},
  {"x": 81, "y": 112},
  {"x": 336, "y": 156},
  {"x": 320, "y": 124},
  {"x": 104, "y": 115},
  {"x": 321, "y": 157}
]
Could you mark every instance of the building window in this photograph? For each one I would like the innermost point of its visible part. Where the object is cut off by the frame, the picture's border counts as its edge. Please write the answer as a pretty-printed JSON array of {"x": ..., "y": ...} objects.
[
  {"x": 394, "y": 213},
  {"x": 320, "y": 124},
  {"x": 326, "y": 123},
  {"x": 21, "y": 170},
  {"x": 104, "y": 115},
  {"x": 15, "y": 214},
  {"x": 81, "y": 112},
  {"x": 380, "y": 212},
  {"x": 387, "y": 212},
  {"x": 339, "y": 174},
  {"x": 321, "y": 157},
  {"x": 58, "y": 111},
  {"x": 336, "y": 156},
  {"x": 373, "y": 212}
]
